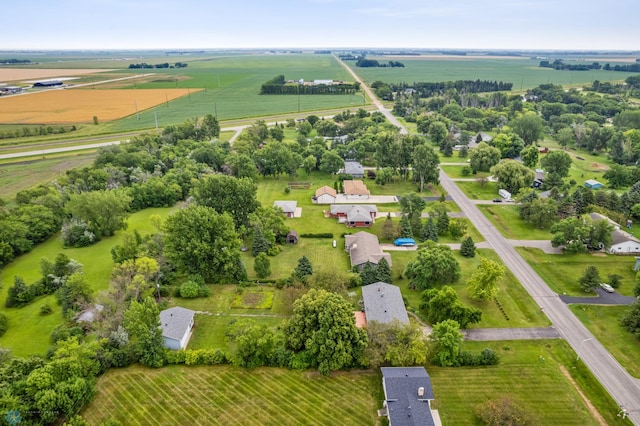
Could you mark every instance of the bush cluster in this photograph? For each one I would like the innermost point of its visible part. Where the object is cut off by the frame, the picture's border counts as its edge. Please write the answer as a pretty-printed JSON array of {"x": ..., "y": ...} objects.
[{"x": 318, "y": 235}]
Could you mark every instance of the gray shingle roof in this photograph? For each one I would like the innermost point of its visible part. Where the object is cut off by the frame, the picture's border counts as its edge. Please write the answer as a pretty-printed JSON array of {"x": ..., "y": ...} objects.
[
  {"x": 619, "y": 236},
  {"x": 404, "y": 406},
  {"x": 383, "y": 303},
  {"x": 346, "y": 208},
  {"x": 175, "y": 322},
  {"x": 286, "y": 206},
  {"x": 364, "y": 247},
  {"x": 353, "y": 168},
  {"x": 358, "y": 215}
]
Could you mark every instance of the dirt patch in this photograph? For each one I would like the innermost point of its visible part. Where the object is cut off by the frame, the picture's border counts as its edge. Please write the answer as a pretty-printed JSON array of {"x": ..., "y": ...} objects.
[
  {"x": 599, "y": 254},
  {"x": 592, "y": 410},
  {"x": 598, "y": 167}
]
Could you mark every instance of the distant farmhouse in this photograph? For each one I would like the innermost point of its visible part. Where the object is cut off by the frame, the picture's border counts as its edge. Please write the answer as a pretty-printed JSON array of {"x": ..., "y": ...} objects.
[
  {"x": 356, "y": 216},
  {"x": 407, "y": 397},
  {"x": 383, "y": 303},
  {"x": 176, "y": 324},
  {"x": 48, "y": 83},
  {"x": 364, "y": 247}
]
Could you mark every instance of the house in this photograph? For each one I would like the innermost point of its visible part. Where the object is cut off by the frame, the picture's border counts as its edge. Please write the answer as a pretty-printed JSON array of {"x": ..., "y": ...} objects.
[
  {"x": 292, "y": 237},
  {"x": 352, "y": 168},
  {"x": 287, "y": 207},
  {"x": 383, "y": 303},
  {"x": 325, "y": 195},
  {"x": 407, "y": 397},
  {"x": 538, "y": 179},
  {"x": 593, "y": 184},
  {"x": 355, "y": 189},
  {"x": 622, "y": 242},
  {"x": 364, "y": 247},
  {"x": 354, "y": 216},
  {"x": 176, "y": 324}
]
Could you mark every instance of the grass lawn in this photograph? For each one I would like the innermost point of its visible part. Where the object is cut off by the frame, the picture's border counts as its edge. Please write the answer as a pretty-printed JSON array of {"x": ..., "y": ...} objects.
[
  {"x": 224, "y": 395},
  {"x": 477, "y": 191},
  {"x": 542, "y": 375},
  {"x": 507, "y": 220},
  {"x": 561, "y": 271},
  {"x": 519, "y": 306},
  {"x": 604, "y": 323},
  {"x": 455, "y": 172},
  {"x": 28, "y": 331}
]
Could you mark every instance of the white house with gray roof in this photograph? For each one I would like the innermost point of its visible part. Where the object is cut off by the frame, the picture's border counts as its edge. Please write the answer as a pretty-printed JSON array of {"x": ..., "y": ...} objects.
[
  {"x": 176, "y": 324},
  {"x": 383, "y": 303},
  {"x": 622, "y": 242},
  {"x": 407, "y": 397},
  {"x": 288, "y": 207}
]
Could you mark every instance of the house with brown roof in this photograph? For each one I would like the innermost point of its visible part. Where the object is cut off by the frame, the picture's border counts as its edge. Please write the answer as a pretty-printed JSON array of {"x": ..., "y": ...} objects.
[
  {"x": 355, "y": 189},
  {"x": 325, "y": 195},
  {"x": 364, "y": 247}
]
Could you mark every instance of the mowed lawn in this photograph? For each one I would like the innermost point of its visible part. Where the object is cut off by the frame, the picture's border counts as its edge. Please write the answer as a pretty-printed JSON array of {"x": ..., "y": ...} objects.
[
  {"x": 224, "y": 395},
  {"x": 506, "y": 218},
  {"x": 562, "y": 271},
  {"x": 28, "y": 331},
  {"x": 479, "y": 191},
  {"x": 604, "y": 323},
  {"x": 542, "y": 375}
]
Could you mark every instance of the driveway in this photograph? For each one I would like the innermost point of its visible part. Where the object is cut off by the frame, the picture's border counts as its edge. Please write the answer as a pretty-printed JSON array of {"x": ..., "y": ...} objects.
[
  {"x": 422, "y": 215},
  {"x": 373, "y": 199},
  {"x": 393, "y": 247},
  {"x": 487, "y": 334},
  {"x": 544, "y": 245},
  {"x": 603, "y": 298}
]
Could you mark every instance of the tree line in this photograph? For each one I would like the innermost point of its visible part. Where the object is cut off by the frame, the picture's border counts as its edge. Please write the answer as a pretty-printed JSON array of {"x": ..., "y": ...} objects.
[
  {"x": 278, "y": 86},
  {"x": 559, "y": 64},
  {"x": 372, "y": 63},
  {"x": 144, "y": 65}
]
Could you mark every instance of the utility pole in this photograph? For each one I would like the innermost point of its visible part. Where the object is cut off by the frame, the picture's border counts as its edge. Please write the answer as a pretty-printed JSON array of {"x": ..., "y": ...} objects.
[{"x": 155, "y": 115}]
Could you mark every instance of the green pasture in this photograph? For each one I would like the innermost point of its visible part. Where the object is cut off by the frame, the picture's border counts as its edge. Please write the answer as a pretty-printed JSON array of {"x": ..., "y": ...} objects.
[
  {"x": 29, "y": 332},
  {"x": 225, "y": 395},
  {"x": 561, "y": 271},
  {"x": 506, "y": 218},
  {"x": 479, "y": 191},
  {"x": 604, "y": 323},
  {"x": 542, "y": 375},
  {"x": 519, "y": 306},
  {"x": 523, "y": 73}
]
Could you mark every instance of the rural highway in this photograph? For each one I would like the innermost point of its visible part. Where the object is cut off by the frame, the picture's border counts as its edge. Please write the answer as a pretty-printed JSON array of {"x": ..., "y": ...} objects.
[{"x": 624, "y": 389}]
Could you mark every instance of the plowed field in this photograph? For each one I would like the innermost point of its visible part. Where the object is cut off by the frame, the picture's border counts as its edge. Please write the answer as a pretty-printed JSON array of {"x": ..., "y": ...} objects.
[{"x": 80, "y": 106}]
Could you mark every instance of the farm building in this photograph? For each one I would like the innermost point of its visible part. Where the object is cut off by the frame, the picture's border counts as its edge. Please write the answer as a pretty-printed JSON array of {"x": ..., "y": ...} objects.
[
  {"x": 354, "y": 216},
  {"x": 292, "y": 237},
  {"x": 352, "y": 168},
  {"x": 48, "y": 83},
  {"x": 355, "y": 189},
  {"x": 407, "y": 397},
  {"x": 176, "y": 324},
  {"x": 383, "y": 303},
  {"x": 593, "y": 184},
  {"x": 364, "y": 247},
  {"x": 325, "y": 195},
  {"x": 288, "y": 207}
]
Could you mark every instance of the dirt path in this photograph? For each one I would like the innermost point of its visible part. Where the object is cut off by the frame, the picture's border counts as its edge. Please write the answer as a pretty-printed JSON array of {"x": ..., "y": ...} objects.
[{"x": 595, "y": 413}]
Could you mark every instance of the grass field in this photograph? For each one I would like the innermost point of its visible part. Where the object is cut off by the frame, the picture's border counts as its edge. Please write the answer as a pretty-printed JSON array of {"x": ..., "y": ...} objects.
[
  {"x": 561, "y": 271},
  {"x": 542, "y": 375},
  {"x": 224, "y": 395},
  {"x": 20, "y": 75},
  {"x": 507, "y": 220},
  {"x": 456, "y": 172},
  {"x": 604, "y": 323},
  {"x": 80, "y": 106},
  {"x": 478, "y": 191},
  {"x": 523, "y": 73},
  {"x": 28, "y": 331}
]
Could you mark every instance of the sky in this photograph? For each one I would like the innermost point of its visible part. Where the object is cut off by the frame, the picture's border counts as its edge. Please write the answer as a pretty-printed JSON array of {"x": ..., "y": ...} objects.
[{"x": 435, "y": 24}]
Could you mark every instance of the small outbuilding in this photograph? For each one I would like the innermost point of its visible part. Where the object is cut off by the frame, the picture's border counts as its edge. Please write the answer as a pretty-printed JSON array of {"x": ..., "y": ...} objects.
[
  {"x": 325, "y": 195},
  {"x": 292, "y": 237},
  {"x": 176, "y": 324},
  {"x": 288, "y": 207},
  {"x": 593, "y": 184}
]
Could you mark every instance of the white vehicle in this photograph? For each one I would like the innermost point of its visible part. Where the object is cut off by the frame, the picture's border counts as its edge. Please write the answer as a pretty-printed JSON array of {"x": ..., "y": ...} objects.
[
  {"x": 606, "y": 287},
  {"x": 504, "y": 194}
]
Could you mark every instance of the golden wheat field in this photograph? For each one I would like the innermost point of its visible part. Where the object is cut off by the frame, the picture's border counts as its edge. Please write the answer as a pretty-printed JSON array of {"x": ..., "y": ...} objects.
[
  {"x": 21, "y": 74},
  {"x": 81, "y": 105}
]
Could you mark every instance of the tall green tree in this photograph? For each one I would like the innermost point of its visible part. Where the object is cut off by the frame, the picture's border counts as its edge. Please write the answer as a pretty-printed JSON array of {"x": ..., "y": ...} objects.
[
  {"x": 443, "y": 222},
  {"x": 512, "y": 176},
  {"x": 600, "y": 234},
  {"x": 446, "y": 340},
  {"x": 383, "y": 272},
  {"x": 262, "y": 266},
  {"x": 590, "y": 279},
  {"x": 425, "y": 165},
  {"x": 558, "y": 162},
  {"x": 105, "y": 211},
  {"x": 570, "y": 233},
  {"x": 631, "y": 320},
  {"x": 433, "y": 265},
  {"x": 331, "y": 162},
  {"x": 483, "y": 284},
  {"x": 397, "y": 344},
  {"x": 529, "y": 127},
  {"x": 303, "y": 269},
  {"x": 443, "y": 304},
  {"x": 429, "y": 231},
  {"x": 226, "y": 194},
  {"x": 406, "y": 230},
  {"x": 438, "y": 132},
  {"x": 322, "y": 332},
  {"x": 368, "y": 274},
  {"x": 201, "y": 241},
  {"x": 142, "y": 322},
  {"x": 468, "y": 247},
  {"x": 484, "y": 157},
  {"x": 529, "y": 156}
]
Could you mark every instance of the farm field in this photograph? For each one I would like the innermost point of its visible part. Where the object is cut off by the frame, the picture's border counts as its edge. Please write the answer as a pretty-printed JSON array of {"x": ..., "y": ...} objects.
[
  {"x": 561, "y": 271},
  {"x": 523, "y": 73},
  {"x": 604, "y": 323},
  {"x": 224, "y": 395},
  {"x": 542, "y": 375},
  {"x": 80, "y": 106},
  {"x": 20, "y": 75}
]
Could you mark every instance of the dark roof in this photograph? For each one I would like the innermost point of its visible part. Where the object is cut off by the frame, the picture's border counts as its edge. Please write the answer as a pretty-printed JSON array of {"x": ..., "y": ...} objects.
[
  {"x": 346, "y": 208},
  {"x": 364, "y": 247},
  {"x": 175, "y": 322},
  {"x": 404, "y": 406},
  {"x": 383, "y": 303},
  {"x": 353, "y": 168},
  {"x": 619, "y": 236}
]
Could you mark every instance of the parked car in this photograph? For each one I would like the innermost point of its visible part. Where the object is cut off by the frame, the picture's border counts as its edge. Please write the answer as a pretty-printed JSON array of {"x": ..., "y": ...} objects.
[
  {"x": 497, "y": 200},
  {"x": 606, "y": 287}
]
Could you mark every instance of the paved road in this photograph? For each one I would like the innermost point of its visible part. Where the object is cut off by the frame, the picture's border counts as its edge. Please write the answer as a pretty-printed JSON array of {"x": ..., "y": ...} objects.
[
  {"x": 57, "y": 150},
  {"x": 624, "y": 389},
  {"x": 487, "y": 334},
  {"x": 603, "y": 298}
]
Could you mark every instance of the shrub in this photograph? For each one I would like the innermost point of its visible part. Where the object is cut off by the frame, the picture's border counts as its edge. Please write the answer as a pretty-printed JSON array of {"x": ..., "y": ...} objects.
[
  {"x": 190, "y": 290},
  {"x": 287, "y": 189},
  {"x": 4, "y": 323},
  {"x": 319, "y": 235},
  {"x": 46, "y": 310}
]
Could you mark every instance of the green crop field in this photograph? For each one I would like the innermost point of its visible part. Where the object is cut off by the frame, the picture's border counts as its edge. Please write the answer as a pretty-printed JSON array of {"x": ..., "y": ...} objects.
[
  {"x": 523, "y": 73},
  {"x": 224, "y": 395}
]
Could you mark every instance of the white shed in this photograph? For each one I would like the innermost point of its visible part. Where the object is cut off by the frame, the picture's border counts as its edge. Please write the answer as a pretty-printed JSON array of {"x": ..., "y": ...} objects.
[{"x": 176, "y": 324}]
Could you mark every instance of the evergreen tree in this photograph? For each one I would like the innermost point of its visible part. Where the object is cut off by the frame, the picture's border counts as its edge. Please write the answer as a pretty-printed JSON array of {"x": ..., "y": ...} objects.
[
  {"x": 590, "y": 279},
  {"x": 303, "y": 269},
  {"x": 443, "y": 223},
  {"x": 262, "y": 266},
  {"x": 416, "y": 224},
  {"x": 389, "y": 229},
  {"x": 405, "y": 227},
  {"x": 368, "y": 274},
  {"x": 468, "y": 247},
  {"x": 260, "y": 243},
  {"x": 429, "y": 231},
  {"x": 383, "y": 271},
  {"x": 19, "y": 294}
]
